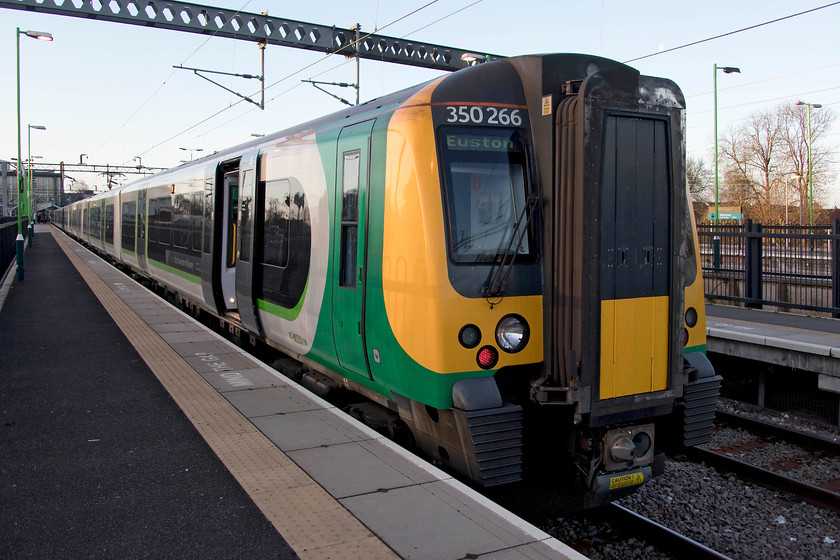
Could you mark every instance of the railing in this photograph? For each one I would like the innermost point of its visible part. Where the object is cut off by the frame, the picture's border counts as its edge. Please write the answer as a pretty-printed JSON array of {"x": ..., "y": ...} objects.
[
  {"x": 787, "y": 267},
  {"x": 8, "y": 234}
]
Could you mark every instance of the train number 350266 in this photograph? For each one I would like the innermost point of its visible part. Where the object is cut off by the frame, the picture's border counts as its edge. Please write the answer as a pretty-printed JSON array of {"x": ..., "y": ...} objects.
[{"x": 484, "y": 115}]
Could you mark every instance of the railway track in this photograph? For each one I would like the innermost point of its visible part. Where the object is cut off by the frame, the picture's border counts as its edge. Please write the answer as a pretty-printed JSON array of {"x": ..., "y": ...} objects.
[
  {"x": 653, "y": 533},
  {"x": 779, "y": 475}
]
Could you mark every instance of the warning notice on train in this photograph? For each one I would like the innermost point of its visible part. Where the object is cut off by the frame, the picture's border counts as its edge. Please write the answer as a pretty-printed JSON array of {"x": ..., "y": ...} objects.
[{"x": 625, "y": 480}]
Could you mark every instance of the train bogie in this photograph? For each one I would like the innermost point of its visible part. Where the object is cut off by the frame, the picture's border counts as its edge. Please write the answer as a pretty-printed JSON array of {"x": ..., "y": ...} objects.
[{"x": 503, "y": 259}]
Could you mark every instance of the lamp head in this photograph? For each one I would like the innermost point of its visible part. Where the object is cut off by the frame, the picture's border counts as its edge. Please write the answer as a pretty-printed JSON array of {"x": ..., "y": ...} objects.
[
  {"x": 38, "y": 126},
  {"x": 731, "y": 70},
  {"x": 40, "y": 35},
  {"x": 470, "y": 58}
]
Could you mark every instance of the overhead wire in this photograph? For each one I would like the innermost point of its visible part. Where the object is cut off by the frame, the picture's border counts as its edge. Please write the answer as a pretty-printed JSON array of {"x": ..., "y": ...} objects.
[
  {"x": 443, "y": 18},
  {"x": 376, "y": 28},
  {"x": 770, "y": 79},
  {"x": 165, "y": 81},
  {"x": 722, "y": 35},
  {"x": 292, "y": 74},
  {"x": 424, "y": 6}
]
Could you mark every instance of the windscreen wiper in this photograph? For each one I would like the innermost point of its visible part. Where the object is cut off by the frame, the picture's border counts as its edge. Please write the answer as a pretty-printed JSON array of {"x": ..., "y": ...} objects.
[{"x": 498, "y": 284}]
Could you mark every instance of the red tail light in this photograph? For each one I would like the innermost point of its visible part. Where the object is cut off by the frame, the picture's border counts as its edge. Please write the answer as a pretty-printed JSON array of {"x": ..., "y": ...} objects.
[{"x": 487, "y": 357}]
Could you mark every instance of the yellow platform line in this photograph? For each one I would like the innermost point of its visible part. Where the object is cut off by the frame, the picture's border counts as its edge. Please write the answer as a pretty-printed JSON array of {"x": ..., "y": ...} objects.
[{"x": 314, "y": 524}]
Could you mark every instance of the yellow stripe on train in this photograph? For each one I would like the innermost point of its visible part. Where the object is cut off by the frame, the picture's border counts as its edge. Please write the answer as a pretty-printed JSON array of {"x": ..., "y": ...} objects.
[{"x": 634, "y": 346}]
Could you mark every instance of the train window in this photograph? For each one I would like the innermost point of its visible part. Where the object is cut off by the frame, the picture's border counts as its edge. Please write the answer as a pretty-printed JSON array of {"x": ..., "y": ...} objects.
[
  {"x": 181, "y": 216},
  {"x": 196, "y": 219},
  {"x": 109, "y": 224},
  {"x": 484, "y": 172},
  {"x": 160, "y": 214},
  {"x": 277, "y": 222},
  {"x": 94, "y": 221},
  {"x": 208, "y": 214},
  {"x": 246, "y": 201},
  {"x": 129, "y": 220},
  {"x": 349, "y": 218},
  {"x": 285, "y": 228}
]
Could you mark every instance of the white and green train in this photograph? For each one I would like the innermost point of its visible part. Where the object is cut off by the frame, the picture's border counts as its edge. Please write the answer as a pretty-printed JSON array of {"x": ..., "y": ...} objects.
[{"x": 503, "y": 258}]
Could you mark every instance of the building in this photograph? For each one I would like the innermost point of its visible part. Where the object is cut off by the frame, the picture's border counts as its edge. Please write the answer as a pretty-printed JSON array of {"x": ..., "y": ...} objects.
[{"x": 48, "y": 189}]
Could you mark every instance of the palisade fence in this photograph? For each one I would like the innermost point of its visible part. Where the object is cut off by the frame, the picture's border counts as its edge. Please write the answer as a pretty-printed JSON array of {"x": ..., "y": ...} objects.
[
  {"x": 8, "y": 234},
  {"x": 784, "y": 267}
]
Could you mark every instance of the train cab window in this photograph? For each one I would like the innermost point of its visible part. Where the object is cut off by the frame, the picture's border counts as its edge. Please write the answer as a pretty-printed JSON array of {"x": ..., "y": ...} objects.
[
  {"x": 484, "y": 175},
  {"x": 349, "y": 218}
]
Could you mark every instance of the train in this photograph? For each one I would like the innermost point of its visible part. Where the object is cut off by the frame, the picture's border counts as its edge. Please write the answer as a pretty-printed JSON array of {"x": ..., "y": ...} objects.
[{"x": 502, "y": 261}]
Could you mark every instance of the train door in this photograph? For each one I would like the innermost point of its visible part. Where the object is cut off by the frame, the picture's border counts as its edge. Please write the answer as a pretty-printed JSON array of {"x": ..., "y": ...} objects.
[
  {"x": 245, "y": 257},
  {"x": 210, "y": 265},
  {"x": 348, "y": 260},
  {"x": 142, "y": 212},
  {"x": 230, "y": 214},
  {"x": 635, "y": 239}
]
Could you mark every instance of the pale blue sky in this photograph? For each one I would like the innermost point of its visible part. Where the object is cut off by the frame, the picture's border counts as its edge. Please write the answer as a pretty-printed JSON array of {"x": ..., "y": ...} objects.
[{"x": 109, "y": 90}]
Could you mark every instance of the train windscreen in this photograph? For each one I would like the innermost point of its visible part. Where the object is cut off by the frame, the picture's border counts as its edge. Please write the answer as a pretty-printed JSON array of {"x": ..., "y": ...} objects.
[{"x": 485, "y": 181}]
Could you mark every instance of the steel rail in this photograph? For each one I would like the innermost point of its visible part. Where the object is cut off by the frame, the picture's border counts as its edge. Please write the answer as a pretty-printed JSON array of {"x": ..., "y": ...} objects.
[
  {"x": 680, "y": 545},
  {"x": 807, "y": 492},
  {"x": 788, "y": 434}
]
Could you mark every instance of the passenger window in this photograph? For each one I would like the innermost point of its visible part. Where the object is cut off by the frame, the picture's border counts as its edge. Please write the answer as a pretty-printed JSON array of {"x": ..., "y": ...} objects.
[{"x": 349, "y": 218}]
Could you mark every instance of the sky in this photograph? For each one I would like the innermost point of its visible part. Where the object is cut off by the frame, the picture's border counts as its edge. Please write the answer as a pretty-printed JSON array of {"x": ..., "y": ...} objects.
[{"x": 110, "y": 91}]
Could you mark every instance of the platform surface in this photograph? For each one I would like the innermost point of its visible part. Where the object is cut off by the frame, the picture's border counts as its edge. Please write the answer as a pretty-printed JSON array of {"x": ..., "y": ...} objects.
[
  {"x": 787, "y": 339},
  {"x": 131, "y": 430}
]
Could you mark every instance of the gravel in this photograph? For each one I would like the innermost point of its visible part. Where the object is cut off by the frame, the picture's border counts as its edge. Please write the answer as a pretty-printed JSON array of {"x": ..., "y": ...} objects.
[
  {"x": 733, "y": 517},
  {"x": 739, "y": 519}
]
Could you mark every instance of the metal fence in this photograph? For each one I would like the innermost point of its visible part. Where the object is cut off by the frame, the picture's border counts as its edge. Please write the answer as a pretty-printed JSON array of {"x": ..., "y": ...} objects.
[
  {"x": 786, "y": 267},
  {"x": 8, "y": 234}
]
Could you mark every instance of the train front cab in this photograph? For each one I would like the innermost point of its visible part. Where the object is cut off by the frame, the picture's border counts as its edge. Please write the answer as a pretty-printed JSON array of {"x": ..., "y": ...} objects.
[{"x": 621, "y": 252}]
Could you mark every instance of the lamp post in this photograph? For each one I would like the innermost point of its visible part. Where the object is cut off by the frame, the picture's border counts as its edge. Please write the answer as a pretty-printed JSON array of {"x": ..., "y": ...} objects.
[
  {"x": 716, "y": 240},
  {"x": 19, "y": 240},
  {"x": 33, "y": 203},
  {"x": 810, "y": 172}
]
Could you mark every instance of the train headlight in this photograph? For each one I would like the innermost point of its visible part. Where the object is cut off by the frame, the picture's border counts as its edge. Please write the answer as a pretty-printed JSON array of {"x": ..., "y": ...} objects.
[{"x": 512, "y": 333}]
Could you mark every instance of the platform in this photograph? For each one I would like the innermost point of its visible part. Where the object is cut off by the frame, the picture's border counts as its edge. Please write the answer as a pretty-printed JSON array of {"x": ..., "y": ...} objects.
[
  {"x": 97, "y": 460},
  {"x": 785, "y": 339}
]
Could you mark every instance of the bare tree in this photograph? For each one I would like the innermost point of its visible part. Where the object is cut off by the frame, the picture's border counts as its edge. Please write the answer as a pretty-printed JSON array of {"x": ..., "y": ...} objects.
[
  {"x": 749, "y": 152},
  {"x": 700, "y": 177},
  {"x": 795, "y": 118},
  {"x": 765, "y": 162}
]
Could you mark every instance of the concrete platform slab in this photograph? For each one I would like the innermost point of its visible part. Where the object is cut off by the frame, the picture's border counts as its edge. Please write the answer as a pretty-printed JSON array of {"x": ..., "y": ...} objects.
[
  {"x": 307, "y": 430},
  {"x": 376, "y": 468},
  {"x": 269, "y": 401}
]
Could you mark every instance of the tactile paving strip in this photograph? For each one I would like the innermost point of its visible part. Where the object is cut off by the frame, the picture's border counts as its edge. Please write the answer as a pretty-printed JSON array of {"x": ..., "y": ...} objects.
[{"x": 314, "y": 524}]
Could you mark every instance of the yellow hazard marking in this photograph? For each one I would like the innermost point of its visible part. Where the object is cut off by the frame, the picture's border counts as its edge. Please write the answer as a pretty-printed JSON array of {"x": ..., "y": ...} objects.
[{"x": 625, "y": 480}]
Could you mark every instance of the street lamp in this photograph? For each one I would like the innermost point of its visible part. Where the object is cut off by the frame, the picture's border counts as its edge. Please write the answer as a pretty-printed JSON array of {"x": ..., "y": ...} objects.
[
  {"x": 43, "y": 36},
  {"x": 810, "y": 173},
  {"x": 716, "y": 240},
  {"x": 33, "y": 202}
]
